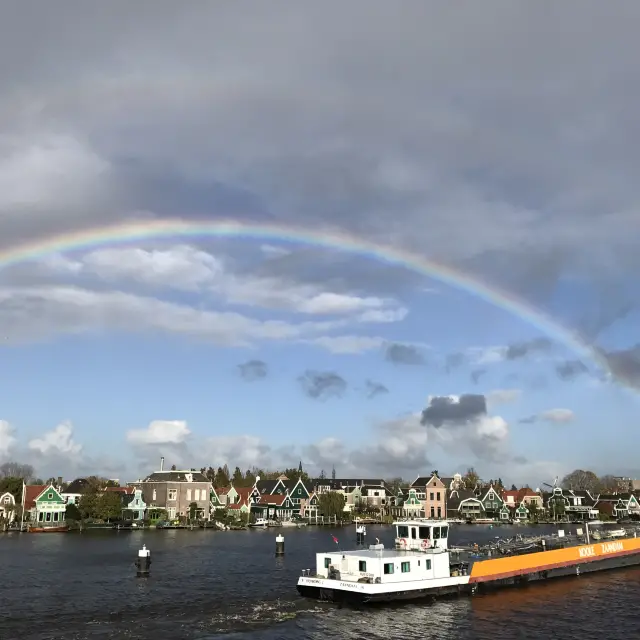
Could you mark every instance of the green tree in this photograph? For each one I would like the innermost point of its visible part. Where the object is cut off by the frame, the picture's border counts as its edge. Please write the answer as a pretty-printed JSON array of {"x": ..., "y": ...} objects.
[
  {"x": 331, "y": 504},
  {"x": 193, "y": 510},
  {"x": 72, "y": 513},
  {"x": 238, "y": 478},
  {"x": 109, "y": 506},
  {"x": 222, "y": 477},
  {"x": 13, "y": 485},
  {"x": 294, "y": 474},
  {"x": 88, "y": 505}
]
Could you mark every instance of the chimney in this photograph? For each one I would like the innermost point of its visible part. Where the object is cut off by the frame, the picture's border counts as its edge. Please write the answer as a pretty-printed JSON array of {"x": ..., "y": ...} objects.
[{"x": 162, "y": 463}]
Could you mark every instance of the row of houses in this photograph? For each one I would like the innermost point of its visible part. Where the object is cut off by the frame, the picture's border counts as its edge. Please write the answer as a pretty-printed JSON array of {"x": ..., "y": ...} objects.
[
  {"x": 178, "y": 493},
  {"x": 447, "y": 497}
]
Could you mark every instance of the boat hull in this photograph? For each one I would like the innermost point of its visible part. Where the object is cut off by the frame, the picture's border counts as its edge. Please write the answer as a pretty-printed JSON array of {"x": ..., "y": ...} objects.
[
  {"x": 48, "y": 529},
  {"x": 485, "y": 575}
]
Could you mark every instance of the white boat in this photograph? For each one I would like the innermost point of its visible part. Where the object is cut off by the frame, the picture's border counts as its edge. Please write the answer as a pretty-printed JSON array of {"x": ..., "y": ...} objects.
[
  {"x": 260, "y": 523},
  {"x": 616, "y": 533}
]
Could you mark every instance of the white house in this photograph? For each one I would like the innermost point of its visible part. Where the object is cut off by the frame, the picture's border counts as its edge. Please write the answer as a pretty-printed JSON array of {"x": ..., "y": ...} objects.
[{"x": 7, "y": 507}]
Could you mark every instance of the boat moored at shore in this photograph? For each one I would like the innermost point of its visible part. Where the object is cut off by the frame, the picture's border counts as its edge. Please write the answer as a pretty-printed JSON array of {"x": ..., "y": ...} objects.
[{"x": 422, "y": 565}]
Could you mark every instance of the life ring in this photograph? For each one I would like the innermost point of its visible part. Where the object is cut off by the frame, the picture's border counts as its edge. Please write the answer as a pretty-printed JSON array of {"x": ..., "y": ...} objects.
[
  {"x": 425, "y": 544},
  {"x": 403, "y": 542}
]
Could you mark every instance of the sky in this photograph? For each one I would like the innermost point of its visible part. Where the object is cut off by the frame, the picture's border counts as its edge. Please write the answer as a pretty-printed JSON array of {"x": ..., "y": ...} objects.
[{"x": 499, "y": 140}]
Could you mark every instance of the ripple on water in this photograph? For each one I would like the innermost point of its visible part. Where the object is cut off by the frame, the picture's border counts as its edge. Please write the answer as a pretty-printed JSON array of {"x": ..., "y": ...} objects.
[{"x": 207, "y": 585}]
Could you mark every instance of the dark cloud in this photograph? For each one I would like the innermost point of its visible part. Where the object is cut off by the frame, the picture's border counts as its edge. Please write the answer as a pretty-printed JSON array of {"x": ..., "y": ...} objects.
[
  {"x": 522, "y": 349},
  {"x": 477, "y": 374},
  {"x": 374, "y": 388},
  {"x": 404, "y": 354},
  {"x": 624, "y": 365},
  {"x": 443, "y": 409},
  {"x": 253, "y": 370},
  {"x": 321, "y": 385},
  {"x": 570, "y": 369}
]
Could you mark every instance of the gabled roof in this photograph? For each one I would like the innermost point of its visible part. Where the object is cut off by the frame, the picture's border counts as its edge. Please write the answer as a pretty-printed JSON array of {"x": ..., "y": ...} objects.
[
  {"x": 420, "y": 481},
  {"x": 490, "y": 489},
  {"x": 269, "y": 486},
  {"x": 78, "y": 486},
  {"x": 510, "y": 493},
  {"x": 244, "y": 493},
  {"x": 176, "y": 476},
  {"x": 32, "y": 492},
  {"x": 455, "y": 497},
  {"x": 7, "y": 493},
  {"x": 527, "y": 492}
]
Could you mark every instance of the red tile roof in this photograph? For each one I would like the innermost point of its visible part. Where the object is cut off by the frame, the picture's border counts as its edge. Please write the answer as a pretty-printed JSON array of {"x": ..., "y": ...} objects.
[
  {"x": 526, "y": 492},
  {"x": 32, "y": 491},
  {"x": 511, "y": 494},
  {"x": 127, "y": 490},
  {"x": 236, "y": 506},
  {"x": 223, "y": 491}
]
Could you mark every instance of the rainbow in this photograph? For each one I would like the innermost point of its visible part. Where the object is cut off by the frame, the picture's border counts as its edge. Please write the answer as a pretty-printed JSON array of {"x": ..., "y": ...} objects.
[{"x": 330, "y": 239}]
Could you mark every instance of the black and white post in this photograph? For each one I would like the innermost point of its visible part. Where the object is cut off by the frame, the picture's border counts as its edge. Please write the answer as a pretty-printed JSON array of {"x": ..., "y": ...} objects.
[
  {"x": 361, "y": 532},
  {"x": 279, "y": 545},
  {"x": 143, "y": 561}
]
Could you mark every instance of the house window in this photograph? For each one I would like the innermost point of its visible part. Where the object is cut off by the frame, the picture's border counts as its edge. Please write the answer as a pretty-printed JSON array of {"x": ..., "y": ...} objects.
[
  {"x": 48, "y": 516},
  {"x": 188, "y": 494},
  {"x": 155, "y": 495},
  {"x": 438, "y": 495},
  {"x": 173, "y": 494},
  {"x": 431, "y": 496},
  {"x": 55, "y": 517},
  {"x": 388, "y": 569},
  {"x": 50, "y": 496},
  {"x": 405, "y": 567},
  {"x": 327, "y": 563},
  {"x": 433, "y": 512},
  {"x": 7, "y": 499},
  {"x": 439, "y": 512},
  {"x": 428, "y": 564},
  {"x": 362, "y": 566}
]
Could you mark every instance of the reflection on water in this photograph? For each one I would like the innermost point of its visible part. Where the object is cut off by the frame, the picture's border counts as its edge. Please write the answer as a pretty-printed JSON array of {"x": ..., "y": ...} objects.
[{"x": 207, "y": 585}]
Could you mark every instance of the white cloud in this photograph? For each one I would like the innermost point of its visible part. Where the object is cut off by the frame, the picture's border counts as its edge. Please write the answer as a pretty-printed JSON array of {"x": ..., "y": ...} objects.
[
  {"x": 559, "y": 416},
  {"x": 57, "y": 442},
  {"x": 503, "y": 396},
  {"x": 160, "y": 432},
  {"x": 181, "y": 267},
  {"x": 348, "y": 344},
  {"x": 7, "y": 439},
  {"x": 55, "y": 170},
  {"x": 41, "y": 312}
]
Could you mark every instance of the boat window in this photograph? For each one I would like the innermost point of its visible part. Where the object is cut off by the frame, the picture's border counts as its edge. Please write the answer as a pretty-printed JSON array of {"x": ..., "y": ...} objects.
[
  {"x": 425, "y": 533},
  {"x": 403, "y": 531},
  {"x": 388, "y": 568},
  {"x": 405, "y": 567},
  {"x": 414, "y": 532},
  {"x": 436, "y": 533},
  {"x": 362, "y": 566},
  {"x": 428, "y": 567},
  {"x": 444, "y": 532},
  {"x": 327, "y": 563}
]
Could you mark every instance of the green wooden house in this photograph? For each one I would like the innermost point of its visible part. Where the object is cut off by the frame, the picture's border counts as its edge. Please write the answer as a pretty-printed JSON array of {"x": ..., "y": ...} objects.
[
  {"x": 45, "y": 505},
  {"x": 504, "y": 514},
  {"x": 215, "y": 501},
  {"x": 522, "y": 513},
  {"x": 492, "y": 503}
]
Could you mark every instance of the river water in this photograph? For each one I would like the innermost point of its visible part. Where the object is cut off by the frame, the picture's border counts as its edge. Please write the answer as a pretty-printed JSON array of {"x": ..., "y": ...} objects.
[{"x": 209, "y": 584}]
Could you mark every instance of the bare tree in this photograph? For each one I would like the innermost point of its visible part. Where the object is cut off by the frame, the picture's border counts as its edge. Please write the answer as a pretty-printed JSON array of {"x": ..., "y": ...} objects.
[
  {"x": 17, "y": 470},
  {"x": 582, "y": 481}
]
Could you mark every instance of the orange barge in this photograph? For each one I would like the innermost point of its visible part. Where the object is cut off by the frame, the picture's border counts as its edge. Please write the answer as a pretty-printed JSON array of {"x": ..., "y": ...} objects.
[{"x": 423, "y": 566}]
